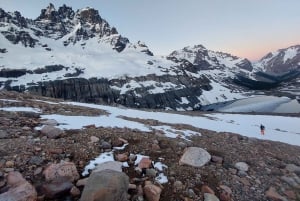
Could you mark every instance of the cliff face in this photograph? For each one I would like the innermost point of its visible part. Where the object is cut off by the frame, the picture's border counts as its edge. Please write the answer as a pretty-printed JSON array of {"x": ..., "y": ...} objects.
[{"x": 108, "y": 91}]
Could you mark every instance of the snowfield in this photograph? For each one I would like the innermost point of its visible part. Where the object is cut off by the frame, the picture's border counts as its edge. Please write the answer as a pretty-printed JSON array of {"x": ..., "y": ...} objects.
[{"x": 278, "y": 128}]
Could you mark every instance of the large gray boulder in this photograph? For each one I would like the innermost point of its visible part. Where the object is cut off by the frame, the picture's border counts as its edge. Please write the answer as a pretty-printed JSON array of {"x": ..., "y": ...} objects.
[
  {"x": 106, "y": 185},
  {"x": 195, "y": 156}
]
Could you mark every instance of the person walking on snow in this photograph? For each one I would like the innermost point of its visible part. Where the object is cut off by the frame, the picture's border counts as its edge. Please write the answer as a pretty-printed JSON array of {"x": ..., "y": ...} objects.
[{"x": 262, "y": 129}]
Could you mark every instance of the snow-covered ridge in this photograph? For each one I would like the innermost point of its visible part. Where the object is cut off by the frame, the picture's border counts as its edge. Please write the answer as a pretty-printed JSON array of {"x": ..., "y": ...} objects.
[{"x": 281, "y": 60}]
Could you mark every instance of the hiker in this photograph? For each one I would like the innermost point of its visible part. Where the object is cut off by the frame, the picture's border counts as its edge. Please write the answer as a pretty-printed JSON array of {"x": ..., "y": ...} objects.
[{"x": 262, "y": 129}]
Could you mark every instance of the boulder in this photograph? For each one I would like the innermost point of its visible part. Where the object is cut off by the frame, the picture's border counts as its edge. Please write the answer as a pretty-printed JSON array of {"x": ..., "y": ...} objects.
[
  {"x": 106, "y": 185},
  {"x": 61, "y": 170},
  {"x": 51, "y": 131},
  {"x": 195, "y": 156},
  {"x": 152, "y": 192},
  {"x": 20, "y": 189},
  {"x": 57, "y": 188}
]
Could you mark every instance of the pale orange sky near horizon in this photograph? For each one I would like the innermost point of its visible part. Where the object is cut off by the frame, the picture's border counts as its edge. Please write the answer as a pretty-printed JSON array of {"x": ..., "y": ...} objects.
[{"x": 247, "y": 28}]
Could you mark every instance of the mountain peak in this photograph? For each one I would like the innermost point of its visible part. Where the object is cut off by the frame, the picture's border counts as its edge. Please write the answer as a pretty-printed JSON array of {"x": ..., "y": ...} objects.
[
  {"x": 89, "y": 15},
  {"x": 66, "y": 12},
  {"x": 48, "y": 13}
]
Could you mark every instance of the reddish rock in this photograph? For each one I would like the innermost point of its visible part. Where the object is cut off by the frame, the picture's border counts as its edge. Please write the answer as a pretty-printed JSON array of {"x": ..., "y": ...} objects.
[
  {"x": 122, "y": 157},
  {"x": 226, "y": 193},
  {"x": 217, "y": 159},
  {"x": 290, "y": 194},
  {"x": 151, "y": 191},
  {"x": 56, "y": 151},
  {"x": 20, "y": 189},
  {"x": 273, "y": 195},
  {"x": 207, "y": 189},
  {"x": 75, "y": 191},
  {"x": 62, "y": 169},
  {"x": 145, "y": 163},
  {"x": 155, "y": 147}
]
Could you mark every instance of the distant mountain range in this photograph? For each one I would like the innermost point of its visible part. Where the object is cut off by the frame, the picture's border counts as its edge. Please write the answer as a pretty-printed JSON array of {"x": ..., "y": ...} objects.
[{"x": 77, "y": 55}]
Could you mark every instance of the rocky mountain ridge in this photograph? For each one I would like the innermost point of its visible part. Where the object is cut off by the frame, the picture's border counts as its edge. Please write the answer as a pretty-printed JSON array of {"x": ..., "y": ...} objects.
[{"x": 78, "y": 56}]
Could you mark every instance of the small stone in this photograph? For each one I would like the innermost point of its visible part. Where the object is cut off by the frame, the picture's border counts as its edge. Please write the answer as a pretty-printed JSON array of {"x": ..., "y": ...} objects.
[
  {"x": 155, "y": 147},
  {"x": 105, "y": 145},
  {"x": 56, "y": 151},
  {"x": 272, "y": 194},
  {"x": 210, "y": 197},
  {"x": 289, "y": 180},
  {"x": 151, "y": 172},
  {"x": 207, "y": 189},
  {"x": 36, "y": 160},
  {"x": 37, "y": 148},
  {"x": 132, "y": 187},
  {"x": 290, "y": 194},
  {"x": 26, "y": 128},
  {"x": 10, "y": 164},
  {"x": 2, "y": 183},
  {"x": 38, "y": 171},
  {"x": 293, "y": 168},
  {"x": 122, "y": 157},
  {"x": 94, "y": 139},
  {"x": 178, "y": 186},
  {"x": 8, "y": 169},
  {"x": 226, "y": 193},
  {"x": 75, "y": 191},
  {"x": 241, "y": 166},
  {"x": 191, "y": 193},
  {"x": 50, "y": 122},
  {"x": 217, "y": 159},
  {"x": 182, "y": 145},
  {"x": 82, "y": 182}
]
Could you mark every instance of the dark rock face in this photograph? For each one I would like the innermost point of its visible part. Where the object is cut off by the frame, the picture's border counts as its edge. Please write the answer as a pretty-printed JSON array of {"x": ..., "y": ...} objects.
[
  {"x": 15, "y": 18},
  {"x": 104, "y": 91},
  {"x": 266, "y": 80},
  {"x": 12, "y": 72},
  {"x": 55, "y": 24},
  {"x": 245, "y": 64},
  {"x": 24, "y": 37}
]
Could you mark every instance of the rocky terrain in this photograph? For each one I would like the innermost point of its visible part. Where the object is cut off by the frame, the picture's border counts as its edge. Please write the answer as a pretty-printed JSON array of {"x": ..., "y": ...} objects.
[{"x": 47, "y": 164}]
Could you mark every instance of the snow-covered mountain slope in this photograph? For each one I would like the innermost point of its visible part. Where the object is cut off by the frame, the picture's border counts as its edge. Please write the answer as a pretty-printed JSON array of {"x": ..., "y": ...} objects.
[
  {"x": 77, "y": 55},
  {"x": 280, "y": 61}
]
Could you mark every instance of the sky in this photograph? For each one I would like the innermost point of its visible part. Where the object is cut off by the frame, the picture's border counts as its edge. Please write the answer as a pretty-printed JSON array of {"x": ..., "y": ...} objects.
[{"x": 244, "y": 28}]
